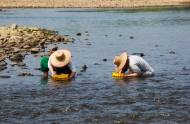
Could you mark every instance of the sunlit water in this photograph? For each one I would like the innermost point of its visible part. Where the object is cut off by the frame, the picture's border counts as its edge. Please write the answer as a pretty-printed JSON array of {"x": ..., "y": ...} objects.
[{"x": 94, "y": 96}]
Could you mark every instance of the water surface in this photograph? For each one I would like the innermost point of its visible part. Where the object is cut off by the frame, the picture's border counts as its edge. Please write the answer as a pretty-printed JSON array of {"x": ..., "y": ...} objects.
[{"x": 94, "y": 96}]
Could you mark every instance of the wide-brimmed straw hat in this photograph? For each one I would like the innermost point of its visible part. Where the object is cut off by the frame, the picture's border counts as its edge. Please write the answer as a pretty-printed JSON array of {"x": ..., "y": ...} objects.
[
  {"x": 60, "y": 58},
  {"x": 120, "y": 61}
]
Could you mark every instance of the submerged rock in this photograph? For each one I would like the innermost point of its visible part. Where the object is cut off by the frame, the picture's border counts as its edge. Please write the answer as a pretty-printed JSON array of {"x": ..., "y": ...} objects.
[
  {"x": 3, "y": 63},
  {"x": 17, "y": 58},
  {"x": 186, "y": 68},
  {"x": 79, "y": 34},
  {"x": 5, "y": 76},
  {"x": 131, "y": 37},
  {"x": 104, "y": 59},
  {"x": 34, "y": 50},
  {"x": 25, "y": 74},
  {"x": 171, "y": 52},
  {"x": 84, "y": 68},
  {"x": 3, "y": 68}
]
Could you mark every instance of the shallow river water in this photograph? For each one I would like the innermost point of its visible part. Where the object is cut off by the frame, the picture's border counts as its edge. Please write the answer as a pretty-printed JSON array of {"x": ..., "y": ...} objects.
[{"x": 94, "y": 96}]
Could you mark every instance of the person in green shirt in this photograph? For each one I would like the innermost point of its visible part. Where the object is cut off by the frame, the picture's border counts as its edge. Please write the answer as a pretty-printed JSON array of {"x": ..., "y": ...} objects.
[{"x": 44, "y": 62}]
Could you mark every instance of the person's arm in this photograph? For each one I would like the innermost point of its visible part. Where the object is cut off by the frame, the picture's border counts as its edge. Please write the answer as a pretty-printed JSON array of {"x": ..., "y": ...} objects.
[
  {"x": 133, "y": 74},
  {"x": 72, "y": 75},
  {"x": 134, "y": 71},
  {"x": 51, "y": 69}
]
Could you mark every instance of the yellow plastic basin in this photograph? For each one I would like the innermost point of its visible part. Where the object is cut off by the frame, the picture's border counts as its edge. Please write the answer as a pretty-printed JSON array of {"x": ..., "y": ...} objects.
[
  {"x": 118, "y": 75},
  {"x": 61, "y": 77}
]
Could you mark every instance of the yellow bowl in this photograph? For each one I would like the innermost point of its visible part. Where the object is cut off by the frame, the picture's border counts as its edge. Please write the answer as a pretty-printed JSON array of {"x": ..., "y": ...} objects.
[
  {"x": 61, "y": 77},
  {"x": 119, "y": 75}
]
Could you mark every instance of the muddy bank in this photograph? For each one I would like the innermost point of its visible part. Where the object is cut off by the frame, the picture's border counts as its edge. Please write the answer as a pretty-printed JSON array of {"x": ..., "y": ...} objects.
[{"x": 17, "y": 41}]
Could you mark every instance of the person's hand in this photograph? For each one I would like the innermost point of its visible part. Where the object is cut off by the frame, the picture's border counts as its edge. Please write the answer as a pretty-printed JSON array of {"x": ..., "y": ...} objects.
[{"x": 72, "y": 75}]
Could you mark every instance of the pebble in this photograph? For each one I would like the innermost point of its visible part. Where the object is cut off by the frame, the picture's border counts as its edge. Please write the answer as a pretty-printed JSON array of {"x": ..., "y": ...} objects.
[
  {"x": 35, "y": 114},
  {"x": 84, "y": 68},
  {"x": 140, "y": 54},
  {"x": 186, "y": 68},
  {"x": 18, "y": 64},
  {"x": 97, "y": 64},
  {"x": 5, "y": 76},
  {"x": 156, "y": 45},
  {"x": 104, "y": 59},
  {"x": 171, "y": 52},
  {"x": 25, "y": 74},
  {"x": 34, "y": 50},
  {"x": 131, "y": 37},
  {"x": 3, "y": 63},
  {"x": 3, "y": 68},
  {"x": 17, "y": 58},
  {"x": 79, "y": 34}
]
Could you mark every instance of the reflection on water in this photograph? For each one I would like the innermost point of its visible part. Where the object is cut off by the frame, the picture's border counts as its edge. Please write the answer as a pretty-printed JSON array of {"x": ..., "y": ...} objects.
[{"x": 94, "y": 96}]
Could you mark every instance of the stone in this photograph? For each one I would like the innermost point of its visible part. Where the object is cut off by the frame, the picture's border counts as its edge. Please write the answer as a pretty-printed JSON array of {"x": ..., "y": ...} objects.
[
  {"x": 3, "y": 68},
  {"x": 25, "y": 74},
  {"x": 171, "y": 52},
  {"x": 17, "y": 58},
  {"x": 104, "y": 59},
  {"x": 131, "y": 37},
  {"x": 88, "y": 44},
  {"x": 84, "y": 67},
  {"x": 156, "y": 45},
  {"x": 79, "y": 34},
  {"x": 26, "y": 47},
  {"x": 21, "y": 64},
  {"x": 16, "y": 50},
  {"x": 5, "y": 76},
  {"x": 34, "y": 50},
  {"x": 139, "y": 54},
  {"x": 186, "y": 68},
  {"x": 58, "y": 38},
  {"x": 3, "y": 63},
  {"x": 97, "y": 64}
]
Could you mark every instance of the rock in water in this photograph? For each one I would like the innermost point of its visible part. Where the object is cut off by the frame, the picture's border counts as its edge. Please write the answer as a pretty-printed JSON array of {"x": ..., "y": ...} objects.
[
  {"x": 25, "y": 74},
  {"x": 34, "y": 50},
  {"x": 17, "y": 58},
  {"x": 104, "y": 59},
  {"x": 5, "y": 76},
  {"x": 84, "y": 67},
  {"x": 79, "y": 34}
]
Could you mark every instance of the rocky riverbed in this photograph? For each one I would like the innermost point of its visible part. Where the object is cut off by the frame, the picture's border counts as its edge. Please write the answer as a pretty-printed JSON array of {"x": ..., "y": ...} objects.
[{"x": 17, "y": 41}]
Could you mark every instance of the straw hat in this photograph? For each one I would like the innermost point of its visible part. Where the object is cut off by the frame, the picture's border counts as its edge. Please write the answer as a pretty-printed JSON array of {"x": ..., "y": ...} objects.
[
  {"x": 120, "y": 61},
  {"x": 60, "y": 58}
]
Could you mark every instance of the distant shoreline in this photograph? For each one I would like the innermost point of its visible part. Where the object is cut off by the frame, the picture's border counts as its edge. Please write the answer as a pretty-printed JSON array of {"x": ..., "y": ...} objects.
[
  {"x": 127, "y": 4},
  {"x": 153, "y": 8}
]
